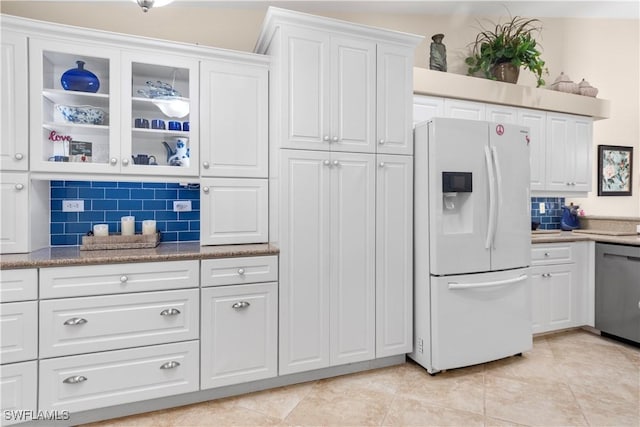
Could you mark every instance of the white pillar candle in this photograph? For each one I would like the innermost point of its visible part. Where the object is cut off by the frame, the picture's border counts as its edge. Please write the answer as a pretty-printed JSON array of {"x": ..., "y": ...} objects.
[
  {"x": 101, "y": 230},
  {"x": 128, "y": 225},
  {"x": 148, "y": 226}
]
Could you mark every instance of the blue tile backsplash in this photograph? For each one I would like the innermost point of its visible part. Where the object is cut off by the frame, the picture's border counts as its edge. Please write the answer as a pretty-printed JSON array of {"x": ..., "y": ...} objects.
[
  {"x": 107, "y": 202},
  {"x": 550, "y": 220}
]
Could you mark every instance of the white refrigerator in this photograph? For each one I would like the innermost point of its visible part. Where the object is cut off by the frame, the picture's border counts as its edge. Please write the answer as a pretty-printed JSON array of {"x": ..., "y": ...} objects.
[{"x": 472, "y": 243}]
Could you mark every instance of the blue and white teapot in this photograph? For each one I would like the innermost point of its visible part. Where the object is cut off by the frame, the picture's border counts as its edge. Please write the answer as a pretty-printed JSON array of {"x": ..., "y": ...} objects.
[{"x": 178, "y": 156}]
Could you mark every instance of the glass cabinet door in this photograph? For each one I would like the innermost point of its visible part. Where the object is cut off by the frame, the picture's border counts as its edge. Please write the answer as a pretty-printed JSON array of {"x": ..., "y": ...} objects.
[
  {"x": 160, "y": 113},
  {"x": 74, "y": 107}
]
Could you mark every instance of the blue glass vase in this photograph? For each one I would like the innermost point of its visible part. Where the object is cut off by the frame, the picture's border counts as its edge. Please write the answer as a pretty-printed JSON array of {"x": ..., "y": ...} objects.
[{"x": 79, "y": 79}]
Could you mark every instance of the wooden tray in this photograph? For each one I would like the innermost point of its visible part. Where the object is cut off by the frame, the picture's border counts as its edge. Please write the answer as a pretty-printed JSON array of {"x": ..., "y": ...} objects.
[{"x": 118, "y": 241}]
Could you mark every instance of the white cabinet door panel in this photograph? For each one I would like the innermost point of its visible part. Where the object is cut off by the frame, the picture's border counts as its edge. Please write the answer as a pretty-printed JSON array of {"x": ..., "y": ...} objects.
[
  {"x": 83, "y": 325},
  {"x": 19, "y": 331},
  {"x": 394, "y": 255},
  {"x": 304, "y": 261},
  {"x": 239, "y": 341},
  {"x": 90, "y": 381},
  {"x": 18, "y": 285},
  {"x": 501, "y": 114},
  {"x": 58, "y": 282},
  {"x": 582, "y": 153},
  {"x": 19, "y": 390},
  {"x": 352, "y": 251},
  {"x": 234, "y": 211},
  {"x": 234, "y": 128},
  {"x": 239, "y": 271},
  {"x": 427, "y": 107},
  {"x": 536, "y": 122},
  {"x": 14, "y": 209},
  {"x": 469, "y": 110}
]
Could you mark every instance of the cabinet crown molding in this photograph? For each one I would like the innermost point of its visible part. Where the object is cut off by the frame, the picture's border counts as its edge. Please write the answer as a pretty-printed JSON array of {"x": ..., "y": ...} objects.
[
  {"x": 450, "y": 85},
  {"x": 277, "y": 16}
]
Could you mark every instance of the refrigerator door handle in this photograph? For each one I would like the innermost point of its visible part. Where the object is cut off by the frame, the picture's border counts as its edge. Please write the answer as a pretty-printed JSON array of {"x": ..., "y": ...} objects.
[
  {"x": 492, "y": 199},
  {"x": 496, "y": 163},
  {"x": 455, "y": 285}
]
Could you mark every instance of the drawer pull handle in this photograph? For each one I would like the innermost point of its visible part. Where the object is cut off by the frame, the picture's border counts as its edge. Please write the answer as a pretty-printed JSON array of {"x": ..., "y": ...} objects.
[
  {"x": 75, "y": 321},
  {"x": 241, "y": 271},
  {"x": 170, "y": 365},
  {"x": 240, "y": 305},
  {"x": 170, "y": 312},
  {"x": 75, "y": 380}
]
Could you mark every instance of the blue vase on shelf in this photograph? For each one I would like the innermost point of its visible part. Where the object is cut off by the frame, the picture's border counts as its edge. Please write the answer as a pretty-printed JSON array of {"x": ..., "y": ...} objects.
[{"x": 79, "y": 79}]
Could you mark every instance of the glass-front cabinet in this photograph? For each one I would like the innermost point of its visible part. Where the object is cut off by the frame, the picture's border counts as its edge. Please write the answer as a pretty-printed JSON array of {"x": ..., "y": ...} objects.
[
  {"x": 101, "y": 110},
  {"x": 160, "y": 115},
  {"x": 74, "y": 107}
]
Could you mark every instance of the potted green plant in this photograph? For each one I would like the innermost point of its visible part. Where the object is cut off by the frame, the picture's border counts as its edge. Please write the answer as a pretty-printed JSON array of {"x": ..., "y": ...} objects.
[{"x": 500, "y": 52}]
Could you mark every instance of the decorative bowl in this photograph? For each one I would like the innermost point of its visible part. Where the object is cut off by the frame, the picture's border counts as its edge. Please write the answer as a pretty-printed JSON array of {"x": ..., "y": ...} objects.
[
  {"x": 586, "y": 89},
  {"x": 158, "y": 89},
  {"x": 564, "y": 84},
  {"x": 81, "y": 114}
]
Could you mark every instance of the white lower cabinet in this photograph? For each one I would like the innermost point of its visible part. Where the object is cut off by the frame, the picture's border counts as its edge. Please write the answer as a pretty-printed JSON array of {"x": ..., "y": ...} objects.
[
  {"x": 234, "y": 211},
  {"x": 90, "y": 381},
  {"x": 89, "y": 324},
  {"x": 19, "y": 331},
  {"x": 239, "y": 340},
  {"x": 560, "y": 286},
  {"x": 14, "y": 208},
  {"x": 19, "y": 391}
]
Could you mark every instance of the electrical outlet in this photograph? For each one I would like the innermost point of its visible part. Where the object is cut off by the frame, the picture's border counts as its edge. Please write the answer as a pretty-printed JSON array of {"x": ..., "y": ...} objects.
[
  {"x": 543, "y": 208},
  {"x": 182, "y": 205},
  {"x": 73, "y": 206}
]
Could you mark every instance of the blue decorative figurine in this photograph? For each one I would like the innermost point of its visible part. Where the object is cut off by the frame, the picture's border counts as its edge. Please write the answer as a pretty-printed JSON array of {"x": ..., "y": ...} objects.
[{"x": 79, "y": 79}]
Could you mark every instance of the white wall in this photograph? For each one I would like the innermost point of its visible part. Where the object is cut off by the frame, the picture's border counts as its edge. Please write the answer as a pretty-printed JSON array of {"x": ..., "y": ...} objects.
[{"x": 603, "y": 51}]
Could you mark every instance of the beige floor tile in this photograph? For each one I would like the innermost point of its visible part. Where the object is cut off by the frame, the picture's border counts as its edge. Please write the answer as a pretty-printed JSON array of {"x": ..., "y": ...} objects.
[
  {"x": 541, "y": 347},
  {"x": 602, "y": 410},
  {"x": 413, "y": 412},
  {"x": 531, "y": 366},
  {"x": 532, "y": 403},
  {"x": 276, "y": 403},
  {"x": 150, "y": 419},
  {"x": 219, "y": 414},
  {"x": 495, "y": 422},
  {"x": 572, "y": 347}
]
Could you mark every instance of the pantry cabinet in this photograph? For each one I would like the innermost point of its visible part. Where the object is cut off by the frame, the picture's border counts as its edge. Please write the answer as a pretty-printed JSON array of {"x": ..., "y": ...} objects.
[
  {"x": 327, "y": 292},
  {"x": 14, "y": 102}
]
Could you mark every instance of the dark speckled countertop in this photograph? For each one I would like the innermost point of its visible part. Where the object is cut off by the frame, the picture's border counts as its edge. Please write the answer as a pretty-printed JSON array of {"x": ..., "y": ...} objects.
[
  {"x": 72, "y": 255},
  {"x": 568, "y": 236}
]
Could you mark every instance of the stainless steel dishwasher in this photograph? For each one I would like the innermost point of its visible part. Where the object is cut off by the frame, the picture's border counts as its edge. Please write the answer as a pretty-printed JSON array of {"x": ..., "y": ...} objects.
[{"x": 618, "y": 290}]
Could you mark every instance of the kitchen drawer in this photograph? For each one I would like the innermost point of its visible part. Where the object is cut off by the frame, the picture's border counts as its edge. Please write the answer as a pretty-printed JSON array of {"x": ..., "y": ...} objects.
[
  {"x": 18, "y": 331},
  {"x": 558, "y": 253},
  {"x": 89, "y": 324},
  {"x": 248, "y": 350},
  {"x": 18, "y": 285},
  {"x": 236, "y": 271},
  {"x": 19, "y": 389},
  {"x": 90, "y": 381},
  {"x": 60, "y": 282}
]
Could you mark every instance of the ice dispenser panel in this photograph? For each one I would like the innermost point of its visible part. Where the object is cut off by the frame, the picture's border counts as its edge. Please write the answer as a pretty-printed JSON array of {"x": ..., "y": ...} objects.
[
  {"x": 456, "y": 182},
  {"x": 457, "y": 215}
]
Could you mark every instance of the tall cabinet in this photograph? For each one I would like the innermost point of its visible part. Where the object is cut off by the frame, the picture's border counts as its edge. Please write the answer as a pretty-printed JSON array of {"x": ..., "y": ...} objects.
[{"x": 340, "y": 188}]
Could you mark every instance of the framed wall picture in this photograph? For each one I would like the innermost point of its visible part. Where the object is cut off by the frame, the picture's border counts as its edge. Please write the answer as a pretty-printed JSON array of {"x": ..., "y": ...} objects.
[{"x": 614, "y": 170}]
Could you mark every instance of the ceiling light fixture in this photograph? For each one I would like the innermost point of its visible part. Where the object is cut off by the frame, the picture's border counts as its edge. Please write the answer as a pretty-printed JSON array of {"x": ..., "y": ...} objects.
[{"x": 148, "y": 4}]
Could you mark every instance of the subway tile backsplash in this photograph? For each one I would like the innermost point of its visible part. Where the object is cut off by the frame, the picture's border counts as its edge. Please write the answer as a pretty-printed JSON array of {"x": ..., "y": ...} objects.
[
  {"x": 107, "y": 202},
  {"x": 550, "y": 220}
]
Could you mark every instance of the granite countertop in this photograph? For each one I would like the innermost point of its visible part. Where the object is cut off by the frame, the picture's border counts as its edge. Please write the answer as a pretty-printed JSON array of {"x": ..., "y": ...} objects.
[
  {"x": 568, "y": 236},
  {"x": 72, "y": 255}
]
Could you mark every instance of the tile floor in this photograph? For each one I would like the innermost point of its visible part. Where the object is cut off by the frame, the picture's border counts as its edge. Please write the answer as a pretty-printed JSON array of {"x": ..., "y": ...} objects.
[{"x": 572, "y": 378}]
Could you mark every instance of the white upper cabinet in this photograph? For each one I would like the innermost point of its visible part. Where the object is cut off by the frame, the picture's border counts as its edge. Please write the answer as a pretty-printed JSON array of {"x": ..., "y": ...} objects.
[
  {"x": 395, "y": 89},
  {"x": 63, "y": 137},
  {"x": 501, "y": 114},
  {"x": 427, "y": 107},
  {"x": 14, "y": 111},
  {"x": 14, "y": 209},
  {"x": 162, "y": 89},
  {"x": 536, "y": 122},
  {"x": 468, "y": 110},
  {"x": 568, "y": 156},
  {"x": 234, "y": 108}
]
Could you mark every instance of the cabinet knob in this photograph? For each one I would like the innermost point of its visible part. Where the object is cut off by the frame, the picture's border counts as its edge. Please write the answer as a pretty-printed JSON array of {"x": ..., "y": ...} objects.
[
  {"x": 325, "y": 138},
  {"x": 125, "y": 161},
  {"x": 381, "y": 164},
  {"x": 546, "y": 254},
  {"x": 205, "y": 190},
  {"x": 240, "y": 305},
  {"x": 19, "y": 186},
  {"x": 336, "y": 163},
  {"x": 326, "y": 163},
  {"x": 170, "y": 365},
  {"x": 75, "y": 379},
  {"x": 170, "y": 312},
  {"x": 205, "y": 165},
  {"x": 381, "y": 142},
  {"x": 123, "y": 279},
  {"x": 74, "y": 321},
  {"x": 19, "y": 156},
  {"x": 113, "y": 161},
  {"x": 241, "y": 271},
  {"x": 335, "y": 139}
]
